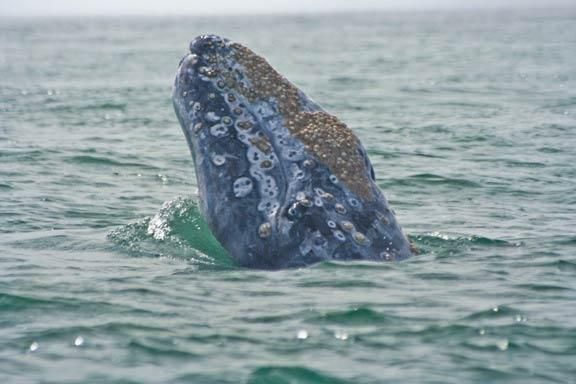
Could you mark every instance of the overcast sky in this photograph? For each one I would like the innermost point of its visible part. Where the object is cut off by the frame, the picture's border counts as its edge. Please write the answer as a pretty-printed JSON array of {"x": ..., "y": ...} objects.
[{"x": 202, "y": 7}]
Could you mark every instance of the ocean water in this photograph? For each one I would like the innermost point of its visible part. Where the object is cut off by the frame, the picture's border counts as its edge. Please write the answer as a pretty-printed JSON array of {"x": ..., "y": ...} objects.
[{"x": 108, "y": 274}]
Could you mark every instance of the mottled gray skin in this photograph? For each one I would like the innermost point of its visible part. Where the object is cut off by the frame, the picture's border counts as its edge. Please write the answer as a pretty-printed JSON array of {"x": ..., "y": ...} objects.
[{"x": 277, "y": 206}]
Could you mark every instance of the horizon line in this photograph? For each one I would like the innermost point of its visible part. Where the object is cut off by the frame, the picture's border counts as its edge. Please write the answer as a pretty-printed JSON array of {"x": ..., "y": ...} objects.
[{"x": 286, "y": 12}]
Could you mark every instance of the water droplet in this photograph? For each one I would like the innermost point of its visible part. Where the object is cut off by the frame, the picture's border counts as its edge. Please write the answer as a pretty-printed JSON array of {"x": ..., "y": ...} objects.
[
  {"x": 34, "y": 347},
  {"x": 79, "y": 341},
  {"x": 341, "y": 335},
  {"x": 503, "y": 344},
  {"x": 302, "y": 334}
]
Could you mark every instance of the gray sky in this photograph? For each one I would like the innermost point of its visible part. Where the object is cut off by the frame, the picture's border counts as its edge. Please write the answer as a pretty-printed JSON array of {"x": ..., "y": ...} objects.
[{"x": 201, "y": 7}]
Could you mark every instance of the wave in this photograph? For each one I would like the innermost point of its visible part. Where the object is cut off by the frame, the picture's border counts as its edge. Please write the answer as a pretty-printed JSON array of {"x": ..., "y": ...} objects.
[{"x": 177, "y": 230}]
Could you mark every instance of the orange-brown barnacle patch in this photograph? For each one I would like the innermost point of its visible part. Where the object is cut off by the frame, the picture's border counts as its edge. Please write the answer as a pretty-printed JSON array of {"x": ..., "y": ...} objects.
[
  {"x": 331, "y": 141},
  {"x": 325, "y": 136}
]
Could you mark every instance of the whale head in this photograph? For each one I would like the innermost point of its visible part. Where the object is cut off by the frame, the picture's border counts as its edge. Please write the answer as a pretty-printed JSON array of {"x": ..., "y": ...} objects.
[{"x": 282, "y": 183}]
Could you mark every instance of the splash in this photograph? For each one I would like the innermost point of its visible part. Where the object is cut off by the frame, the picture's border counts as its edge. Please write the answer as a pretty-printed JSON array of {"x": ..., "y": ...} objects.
[{"x": 177, "y": 230}]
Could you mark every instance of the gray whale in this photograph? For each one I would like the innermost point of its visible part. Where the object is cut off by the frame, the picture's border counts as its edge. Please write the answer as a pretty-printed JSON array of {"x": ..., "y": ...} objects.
[{"x": 282, "y": 183}]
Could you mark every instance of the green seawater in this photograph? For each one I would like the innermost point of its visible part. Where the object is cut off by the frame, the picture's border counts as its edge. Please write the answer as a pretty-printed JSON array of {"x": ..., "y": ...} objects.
[{"x": 108, "y": 273}]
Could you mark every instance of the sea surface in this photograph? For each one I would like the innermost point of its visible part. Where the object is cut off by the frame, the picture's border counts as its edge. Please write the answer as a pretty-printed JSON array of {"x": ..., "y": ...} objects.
[{"x": 108, "y": 274}]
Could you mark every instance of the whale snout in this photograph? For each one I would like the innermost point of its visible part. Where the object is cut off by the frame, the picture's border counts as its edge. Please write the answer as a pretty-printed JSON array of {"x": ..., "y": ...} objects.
[
  {"x": 199, "y": 70},
  {"x": 205, "y": 51}
]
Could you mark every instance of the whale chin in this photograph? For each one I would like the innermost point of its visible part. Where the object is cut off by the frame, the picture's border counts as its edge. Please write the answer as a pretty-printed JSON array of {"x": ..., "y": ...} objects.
[{"x": 282, "y": 182}]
